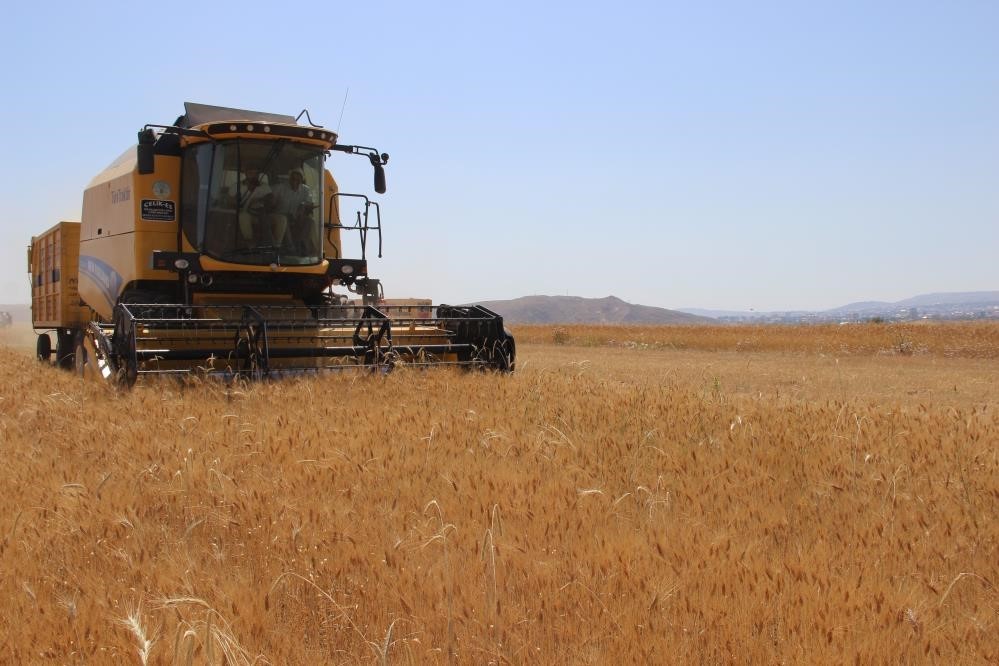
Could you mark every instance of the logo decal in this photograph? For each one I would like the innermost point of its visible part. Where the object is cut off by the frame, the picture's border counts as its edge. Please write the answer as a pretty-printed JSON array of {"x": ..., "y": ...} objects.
[
  {"x": 121, "y": 195},
  {"x": 161, "y": 189},
  {"x": 106, "y": 279}
]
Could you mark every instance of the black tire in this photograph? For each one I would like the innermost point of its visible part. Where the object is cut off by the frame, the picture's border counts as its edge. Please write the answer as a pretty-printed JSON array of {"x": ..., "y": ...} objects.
[
  {"x": 120, "y": 350},
  {"x": 80, "y": 357},
  {"x": 510, "y": 348},
  {"x": 65, "y": 348},
  {"x": 85, "y": 365},
  {"x": 43, "y": 348}
]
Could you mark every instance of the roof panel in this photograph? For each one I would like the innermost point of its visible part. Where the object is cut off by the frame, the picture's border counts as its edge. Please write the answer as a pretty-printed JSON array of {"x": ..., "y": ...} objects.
[{"x": 198, "y": 114}]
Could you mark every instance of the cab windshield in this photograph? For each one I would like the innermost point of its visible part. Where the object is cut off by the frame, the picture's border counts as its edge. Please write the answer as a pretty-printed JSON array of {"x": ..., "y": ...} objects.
[{"x": 254, "y": 202}]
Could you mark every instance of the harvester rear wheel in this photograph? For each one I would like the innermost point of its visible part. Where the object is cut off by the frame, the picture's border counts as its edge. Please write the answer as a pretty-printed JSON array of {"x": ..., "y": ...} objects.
[
  {"x": 499, "y": 354},
  {"x": 65, "y": 347},
  {"x": 43, "y": 348},
  {"x": 507, "y": 356},
  {"x": 505, "y": 353}
]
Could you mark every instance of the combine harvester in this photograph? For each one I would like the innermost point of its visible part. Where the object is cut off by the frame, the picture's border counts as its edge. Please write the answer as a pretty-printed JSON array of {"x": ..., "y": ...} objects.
[{"x": 214, "y": 246}]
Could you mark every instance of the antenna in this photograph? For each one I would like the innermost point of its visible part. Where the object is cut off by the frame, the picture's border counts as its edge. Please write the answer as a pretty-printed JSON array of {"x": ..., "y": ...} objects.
[{"x": 344, "y": 106}]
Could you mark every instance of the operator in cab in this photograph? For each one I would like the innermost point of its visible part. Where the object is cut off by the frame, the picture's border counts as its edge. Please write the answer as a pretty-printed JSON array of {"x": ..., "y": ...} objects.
[
  {"x": 256, "y": 207},
  {"x": 295, "y": 202}
]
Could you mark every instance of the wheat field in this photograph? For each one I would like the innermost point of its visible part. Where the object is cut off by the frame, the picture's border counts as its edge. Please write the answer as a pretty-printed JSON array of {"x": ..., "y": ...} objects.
[{"x": 629, "y": 495}]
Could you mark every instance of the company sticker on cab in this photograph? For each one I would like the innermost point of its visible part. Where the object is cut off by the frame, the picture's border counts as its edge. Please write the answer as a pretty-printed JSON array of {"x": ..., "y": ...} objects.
[{"x": 156, "y": 210}]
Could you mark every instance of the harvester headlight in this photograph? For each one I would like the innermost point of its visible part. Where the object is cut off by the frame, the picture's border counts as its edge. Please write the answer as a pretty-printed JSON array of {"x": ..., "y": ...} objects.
[
  {"x": 181, "y": 264},
  {"x": 249, "y": 128},
  {"x": 232, "y": 128},
  {"x": 346, "y": 269},
  {"x": 192, "y": 278}
]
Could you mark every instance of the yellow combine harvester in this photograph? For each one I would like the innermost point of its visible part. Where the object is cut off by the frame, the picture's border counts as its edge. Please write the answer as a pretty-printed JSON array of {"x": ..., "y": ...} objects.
[{"x": 215, "y": 246}]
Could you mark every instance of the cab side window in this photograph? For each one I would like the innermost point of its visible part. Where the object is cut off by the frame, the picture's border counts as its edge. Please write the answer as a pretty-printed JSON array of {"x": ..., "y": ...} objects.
[{"x": 194, "y": 185}]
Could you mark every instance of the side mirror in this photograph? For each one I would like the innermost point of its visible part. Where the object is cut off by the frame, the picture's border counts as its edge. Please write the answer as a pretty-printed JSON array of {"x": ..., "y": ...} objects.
[
  {"x": 377, "y": 161},
  {"x": 144, "y": 152}
]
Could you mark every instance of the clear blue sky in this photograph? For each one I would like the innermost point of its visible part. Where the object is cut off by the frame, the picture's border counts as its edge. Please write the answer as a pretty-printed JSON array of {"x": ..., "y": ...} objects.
[{"x": 767, "y": 155}]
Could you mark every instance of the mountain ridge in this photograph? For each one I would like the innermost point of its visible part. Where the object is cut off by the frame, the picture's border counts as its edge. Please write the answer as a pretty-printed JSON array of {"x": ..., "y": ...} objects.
[
  {"x": 540, "y": 309},
  {"x": 946, "y": 298}
]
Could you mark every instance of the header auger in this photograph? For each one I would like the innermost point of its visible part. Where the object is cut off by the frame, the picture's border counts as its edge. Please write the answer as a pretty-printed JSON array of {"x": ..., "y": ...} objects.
[{"x": 214, "y": 246}]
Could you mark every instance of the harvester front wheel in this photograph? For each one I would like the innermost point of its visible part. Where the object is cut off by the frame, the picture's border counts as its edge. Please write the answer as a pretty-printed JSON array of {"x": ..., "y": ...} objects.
[
  {"x": 43, "y": 348},
  {"x": 118, "y": 350}
]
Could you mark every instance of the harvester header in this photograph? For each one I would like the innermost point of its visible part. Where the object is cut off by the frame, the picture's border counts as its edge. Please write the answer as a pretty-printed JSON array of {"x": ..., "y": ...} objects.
[{"x": 216, "y": 245}]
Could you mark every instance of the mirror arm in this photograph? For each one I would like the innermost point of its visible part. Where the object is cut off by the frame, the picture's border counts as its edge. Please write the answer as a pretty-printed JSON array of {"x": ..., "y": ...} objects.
[{"x": 378, "y": 161}]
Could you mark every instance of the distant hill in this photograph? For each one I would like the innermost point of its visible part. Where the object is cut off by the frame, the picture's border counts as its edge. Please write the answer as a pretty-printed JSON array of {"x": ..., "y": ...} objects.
[
  {"x": 577, "y": 310},
  {"x": 938, "y": 300},
  {"x": 969, "y": 298},
  {"x": 952, "y": 298},
  {"x": 862, "y": 306},
  {"x": 714, "y": 314}
]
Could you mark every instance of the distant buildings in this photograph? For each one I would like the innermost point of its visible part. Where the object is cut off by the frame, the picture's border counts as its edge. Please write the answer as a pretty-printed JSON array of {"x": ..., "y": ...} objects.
[{"x": 953, "y": 312}]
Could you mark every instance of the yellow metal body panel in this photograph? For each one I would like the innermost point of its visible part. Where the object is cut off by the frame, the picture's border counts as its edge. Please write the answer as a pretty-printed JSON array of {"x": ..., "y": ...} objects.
[
  {"x": 109, "y": 263},
  {"x": 113, "y": 202},
  {"x": 117, "y": 237},
  {"x": 331, "y": 237},
  {"x": 55, "y": 297}
]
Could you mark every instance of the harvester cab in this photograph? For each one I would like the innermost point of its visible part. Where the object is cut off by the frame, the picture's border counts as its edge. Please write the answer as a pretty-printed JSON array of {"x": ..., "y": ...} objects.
[{"x": 215, "y": 245}]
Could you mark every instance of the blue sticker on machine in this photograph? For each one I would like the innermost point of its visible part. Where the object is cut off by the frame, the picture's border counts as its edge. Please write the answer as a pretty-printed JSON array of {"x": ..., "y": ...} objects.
[
  {"x": 156, "y": 210},
  {"x": 105, "y": 278}
]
